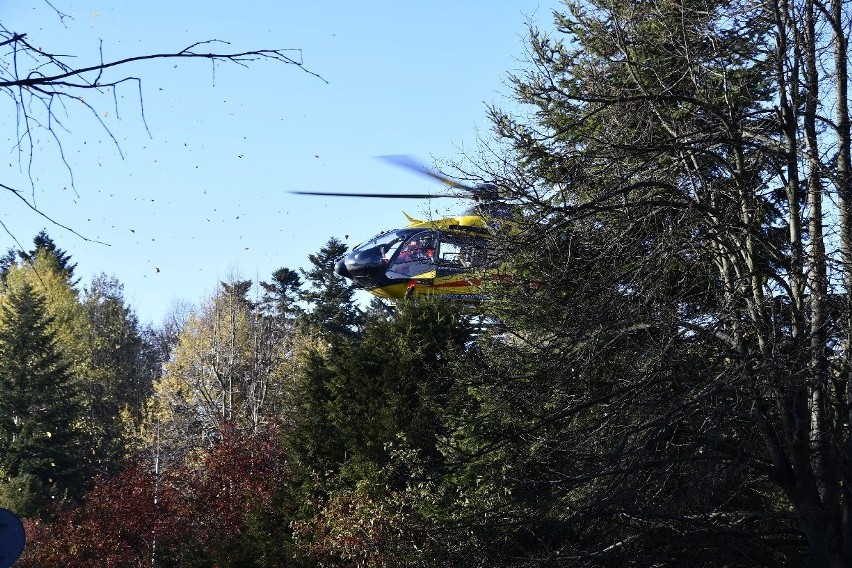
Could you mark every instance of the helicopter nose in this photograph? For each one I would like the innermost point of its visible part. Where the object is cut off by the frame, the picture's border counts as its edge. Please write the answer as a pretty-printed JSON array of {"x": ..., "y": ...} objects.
[{"x": 341, "y": 270}]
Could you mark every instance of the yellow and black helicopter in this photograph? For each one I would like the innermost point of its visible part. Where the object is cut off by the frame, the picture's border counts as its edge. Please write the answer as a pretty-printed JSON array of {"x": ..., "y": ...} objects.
[{"x": 449, "y": 257}]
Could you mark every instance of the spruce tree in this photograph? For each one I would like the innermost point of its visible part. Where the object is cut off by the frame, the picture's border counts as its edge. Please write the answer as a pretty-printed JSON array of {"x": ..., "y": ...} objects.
[
  {"x": 357, "y": 399},
  {"x": 281, "y": 294},
  {"x": 43, "y": 242},
  {"x": 331, "y": 298},
  {"x": 39, "y": 449}
]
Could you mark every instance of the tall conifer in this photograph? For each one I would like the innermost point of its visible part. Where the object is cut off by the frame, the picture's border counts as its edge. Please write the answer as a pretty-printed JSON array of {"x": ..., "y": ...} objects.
[
  {"x": 332, "y": 301},
  {"x": 39, "y": 449}
]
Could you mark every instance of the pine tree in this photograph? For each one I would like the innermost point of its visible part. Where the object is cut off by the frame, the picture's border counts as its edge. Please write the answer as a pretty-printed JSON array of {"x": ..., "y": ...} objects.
[
  {"x": 42, "y": 244},
  {"x": 356, "y": 399},
  {"x": 332, "y": 300},
  {"x": 38, "y": 408},
  {"x": 281, "y": 294}
]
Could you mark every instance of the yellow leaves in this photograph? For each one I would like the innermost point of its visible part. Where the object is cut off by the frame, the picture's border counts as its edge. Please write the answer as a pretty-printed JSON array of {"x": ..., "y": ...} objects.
[
  {"x": 170, "y": 393},
  {"x": 228, "y": 366},
  {"x": 70, "y": 323}
]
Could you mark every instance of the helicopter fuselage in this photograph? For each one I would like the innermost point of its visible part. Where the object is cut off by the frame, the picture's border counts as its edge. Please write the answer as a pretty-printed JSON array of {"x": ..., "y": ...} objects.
[{"x": 447, "y": 257}]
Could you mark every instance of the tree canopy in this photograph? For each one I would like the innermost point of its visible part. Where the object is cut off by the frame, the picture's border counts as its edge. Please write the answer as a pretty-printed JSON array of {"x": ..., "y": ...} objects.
[
  {"x": 672, "y": 176},
  {"x": 662, "y": 379},
  {"x": 40, "y": 440}
]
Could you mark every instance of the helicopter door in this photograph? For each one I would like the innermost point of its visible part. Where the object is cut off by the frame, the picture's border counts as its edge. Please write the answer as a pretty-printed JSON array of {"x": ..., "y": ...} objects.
[{"x": 415, "y": 258}]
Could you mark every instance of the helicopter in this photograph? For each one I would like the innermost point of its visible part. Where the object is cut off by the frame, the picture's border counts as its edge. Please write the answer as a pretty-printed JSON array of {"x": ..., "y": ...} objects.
[{"x": 450, "y": 257}]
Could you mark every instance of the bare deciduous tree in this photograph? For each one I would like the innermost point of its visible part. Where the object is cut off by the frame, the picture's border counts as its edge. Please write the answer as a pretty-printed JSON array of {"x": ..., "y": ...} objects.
[{"x": 41, "y": 87}]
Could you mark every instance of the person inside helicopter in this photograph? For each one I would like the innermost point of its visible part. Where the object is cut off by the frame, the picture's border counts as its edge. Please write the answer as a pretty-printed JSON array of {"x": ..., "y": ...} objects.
[{"x": 417, "y": 256}]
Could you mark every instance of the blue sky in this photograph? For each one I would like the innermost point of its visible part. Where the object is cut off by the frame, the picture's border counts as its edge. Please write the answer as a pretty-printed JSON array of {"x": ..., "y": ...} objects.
[{"x": 204, "y": 196}]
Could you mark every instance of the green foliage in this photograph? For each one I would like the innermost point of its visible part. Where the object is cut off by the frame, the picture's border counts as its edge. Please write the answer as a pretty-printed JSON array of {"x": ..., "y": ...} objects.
[
  {"x": 230, "y": 367},
  {"x": 665, "y": 381},
  {"x": 61, "y": 260},
  {"x": 44, "y": 246},
  {"x": 314, "y": 439},
  {"x": 281, "y": 294},
  {"x": 121, "y": 376},
  {"x": 330, "y": 297},
  {"x": 370, "y": 419},
  {"x": 26, "y": 495},
  {"x": 112, "y": 366},
  {"x": 39, "y": 408},
  {"x": 629, "y": 409},
  {"x": 371, "y": 523},
  {"x": 359, "y": 395}
]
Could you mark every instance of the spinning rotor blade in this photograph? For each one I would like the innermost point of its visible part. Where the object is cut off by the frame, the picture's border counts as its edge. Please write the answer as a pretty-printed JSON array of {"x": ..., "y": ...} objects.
[
  {"x": 481, "y": 192},
  {"x": 380, "y": 195},
  {"x": 412, "y": 164}
]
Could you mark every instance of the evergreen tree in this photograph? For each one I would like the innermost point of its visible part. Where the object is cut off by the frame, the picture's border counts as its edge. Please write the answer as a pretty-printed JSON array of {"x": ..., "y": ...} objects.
[
  {"x": 370, "y": 419},
  {"x": 674, "y": 388},
  {"x": 38, "y": 407},
  {"x": 7, "y": 261},
  {"x": 281, "y": 295},
  {"x": 121, "y": 375},
  {"x": 237, "y": 292},
  {"x": 42, "y": 243},
  {"x": 355, "y": 401},
  {"x": 331, "y": 299},
  {"x": 314, "y": 439}
]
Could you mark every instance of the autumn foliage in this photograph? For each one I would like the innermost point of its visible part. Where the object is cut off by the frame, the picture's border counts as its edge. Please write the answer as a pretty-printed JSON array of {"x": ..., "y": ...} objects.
[{"x": 216, "y": 511}]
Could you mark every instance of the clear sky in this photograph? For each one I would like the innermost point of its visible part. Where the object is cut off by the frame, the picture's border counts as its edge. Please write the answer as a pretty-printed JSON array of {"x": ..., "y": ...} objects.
[{"x": 204, "y": 196}]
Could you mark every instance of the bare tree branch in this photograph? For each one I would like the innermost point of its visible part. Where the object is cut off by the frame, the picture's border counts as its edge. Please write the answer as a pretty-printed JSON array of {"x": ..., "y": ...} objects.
[{"x": 41, "y": 84}]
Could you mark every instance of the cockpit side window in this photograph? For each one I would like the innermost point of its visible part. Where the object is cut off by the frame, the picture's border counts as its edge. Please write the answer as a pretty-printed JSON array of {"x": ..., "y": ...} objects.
[{"x": 416, "y": 257}]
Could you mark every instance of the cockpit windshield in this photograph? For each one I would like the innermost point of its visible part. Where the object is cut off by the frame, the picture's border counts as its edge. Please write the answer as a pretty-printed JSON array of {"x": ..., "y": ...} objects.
[{"x": 387, "y": 243}]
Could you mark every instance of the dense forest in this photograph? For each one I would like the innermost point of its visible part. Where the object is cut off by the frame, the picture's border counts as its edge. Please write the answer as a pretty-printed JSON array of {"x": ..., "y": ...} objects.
[{"x": 665, "y": 377}]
